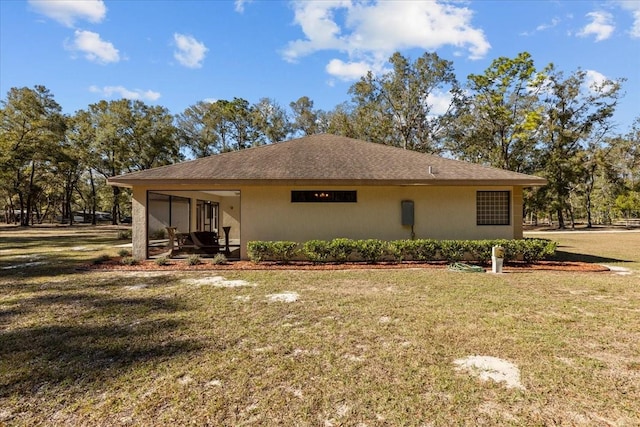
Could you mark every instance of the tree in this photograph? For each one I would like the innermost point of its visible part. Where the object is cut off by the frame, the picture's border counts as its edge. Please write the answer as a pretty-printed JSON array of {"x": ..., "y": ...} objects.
[
  {"x": 238, "y": 119},
  {"x": 626, "y": 154},
  {"x": 628, "y": 204},
  {"x": 128, "y": 136},
  {"x": 340, "y": 121},
  {"x": 271, "y": 121},
  {"x": 305, "y": 118},
  {"x": 499, "y": 122},
  {"x": 31, "y": 129},
  {"x": 617, "y": 173},
  {"x": 152, "y": 137},
  {"x": 196, "y": 130},
  {"x": 399, "y": 107},
  {"x": 81, "y": 135},
  {"x": 67, "y": 170},
  {"x": 575, "y": 114},
  {"x": 217, "y": 127}
]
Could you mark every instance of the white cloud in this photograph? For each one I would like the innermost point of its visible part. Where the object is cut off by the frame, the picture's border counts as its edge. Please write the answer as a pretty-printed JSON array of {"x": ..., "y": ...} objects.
[
  {"x": 601, "y": 26},
  {"x": 94, "y": 48},
  {"x": 635, "y": 30},
  {"x": 439, "y": 102},
  {"x": 595, "y": 81},
  {"x": 374, "y": 30},
  {"x": 543, "y": 27},
  {"x": 67, "y": 12},
  {"x": 634, "y": 7},
  {"x": 347, "y": 70},
  {"x": 554, "y": 22},
  {"x": 190, "y": 52},
  {"x": 110, "y": 91},
  {"x": 239, "y": 5}
]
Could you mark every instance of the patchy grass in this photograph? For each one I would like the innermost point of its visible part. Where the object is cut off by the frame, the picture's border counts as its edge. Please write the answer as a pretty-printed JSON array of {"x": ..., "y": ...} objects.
[
  {"x": 618, "y": 248},
  {"x": 363, "y": 347}
]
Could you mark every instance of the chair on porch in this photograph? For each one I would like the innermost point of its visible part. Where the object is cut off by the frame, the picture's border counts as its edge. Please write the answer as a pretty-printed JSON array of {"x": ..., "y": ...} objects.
[
  {"x": 206, "y": 241},
  {"x": 178, "y": 241}
]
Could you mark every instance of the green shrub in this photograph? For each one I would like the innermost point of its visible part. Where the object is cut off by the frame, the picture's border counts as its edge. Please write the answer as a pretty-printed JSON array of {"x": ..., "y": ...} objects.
[
  {"x": 425, "y": 249},
  {"x": 403, "y": 249},
  {"x": 281, "y": 251},
  {"x": 284, "y": 251},
  {"x": 124, "y": 253},
  {"x": 341, "y": 249},
  {"x": 452, "y": 250},
  {"x": 371, "y": 250},
  {"x": 124, "y": 234},
  {"x": 393, "y": 251},
  {"x": 163, "y": 260},
  {"x": 101, "y": 259},
  {"x": 481, "y": 250},
  {"x": 193, "y": 259},
  {"x": 258, "y": 250},
  {"x": 533, "y": 250},
  {"x": 512, "y": 248},
  {"x": 317, "y": 250},
  {"x": 158, "y": 234},
  {"x": 415, "y": 250},
  {"x": 127, "y": 260},
  {"x": 219, "y": 259}
]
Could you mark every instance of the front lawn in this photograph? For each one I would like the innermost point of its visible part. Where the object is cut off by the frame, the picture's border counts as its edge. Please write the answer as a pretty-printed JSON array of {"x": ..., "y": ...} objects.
[{"x": 361, "y": 347}]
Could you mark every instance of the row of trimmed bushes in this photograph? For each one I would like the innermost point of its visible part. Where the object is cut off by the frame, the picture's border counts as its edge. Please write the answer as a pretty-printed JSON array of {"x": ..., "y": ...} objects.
[{"x": 341, "y": 250}]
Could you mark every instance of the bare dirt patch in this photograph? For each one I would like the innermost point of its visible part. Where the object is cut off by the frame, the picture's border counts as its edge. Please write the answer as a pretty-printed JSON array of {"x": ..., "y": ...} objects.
[
  {"x": 491, "y": 368},
  {"x": 284, "y": 297}
]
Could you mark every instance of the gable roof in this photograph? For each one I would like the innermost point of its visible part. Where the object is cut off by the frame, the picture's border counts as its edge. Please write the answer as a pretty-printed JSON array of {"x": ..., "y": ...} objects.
[{"x": 326, "y": 159}]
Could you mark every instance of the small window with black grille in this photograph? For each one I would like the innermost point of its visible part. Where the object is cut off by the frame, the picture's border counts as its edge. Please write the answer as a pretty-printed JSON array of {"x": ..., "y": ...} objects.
[
  {"x": 493, "y": 208},
  {"x": 324, "y": 196}
]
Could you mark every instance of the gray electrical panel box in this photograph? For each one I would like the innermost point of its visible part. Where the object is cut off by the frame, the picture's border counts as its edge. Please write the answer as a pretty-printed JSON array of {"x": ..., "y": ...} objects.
[{"x": 407, "y": 212}]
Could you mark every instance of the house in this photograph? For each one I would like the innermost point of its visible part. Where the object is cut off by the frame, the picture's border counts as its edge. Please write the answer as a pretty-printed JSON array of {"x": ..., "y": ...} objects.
[{"x": 322, "y": 187}]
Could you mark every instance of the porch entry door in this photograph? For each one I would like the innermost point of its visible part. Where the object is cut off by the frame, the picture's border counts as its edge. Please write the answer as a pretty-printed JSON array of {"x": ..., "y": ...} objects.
[{"x": 206, "y": 215}]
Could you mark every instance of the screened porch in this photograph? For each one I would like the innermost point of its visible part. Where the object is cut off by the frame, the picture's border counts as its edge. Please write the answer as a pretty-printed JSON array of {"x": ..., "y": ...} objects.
[{"x": 203, "y": 222}]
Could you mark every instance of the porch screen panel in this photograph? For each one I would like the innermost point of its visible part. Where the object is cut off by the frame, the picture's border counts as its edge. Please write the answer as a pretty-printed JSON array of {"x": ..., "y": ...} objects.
[
  {"x": 180, "y": 213},
  {"x": 165, "y": 210},
  {"x": 159, "y": 211}
]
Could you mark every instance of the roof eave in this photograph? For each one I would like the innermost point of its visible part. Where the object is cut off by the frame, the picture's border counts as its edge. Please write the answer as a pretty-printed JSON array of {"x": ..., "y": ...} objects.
[{"x": 130, "y": 183}]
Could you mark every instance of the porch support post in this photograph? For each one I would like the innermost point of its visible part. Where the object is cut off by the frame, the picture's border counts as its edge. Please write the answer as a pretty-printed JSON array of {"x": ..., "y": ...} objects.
[
  {"x": 193, "y": 214},
  {"x": 139, "y": 223}
]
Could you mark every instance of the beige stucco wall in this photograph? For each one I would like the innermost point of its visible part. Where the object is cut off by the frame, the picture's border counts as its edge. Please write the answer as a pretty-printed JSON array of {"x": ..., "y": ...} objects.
[
  {"x": 230, "y": 216},
  {"x": 266, "y": 213},
  {"x": 440, "y": 213}
]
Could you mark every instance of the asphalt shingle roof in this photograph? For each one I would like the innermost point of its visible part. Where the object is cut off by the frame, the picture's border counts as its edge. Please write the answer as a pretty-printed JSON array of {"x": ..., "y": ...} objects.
[{"x": 328, "y": 159}]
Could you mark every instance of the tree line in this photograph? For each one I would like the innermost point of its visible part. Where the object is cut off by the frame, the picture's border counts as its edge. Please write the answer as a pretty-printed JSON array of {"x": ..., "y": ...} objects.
[{"x": 513, "y": 116}]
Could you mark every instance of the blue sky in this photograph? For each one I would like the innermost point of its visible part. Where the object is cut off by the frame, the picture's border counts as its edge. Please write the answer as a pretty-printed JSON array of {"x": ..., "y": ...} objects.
[{"x": 176, "y": 53}]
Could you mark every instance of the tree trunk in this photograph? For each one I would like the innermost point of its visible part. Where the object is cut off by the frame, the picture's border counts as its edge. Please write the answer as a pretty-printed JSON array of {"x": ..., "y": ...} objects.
[
  {"x": 588, "y": 202},
  {"x": 22, "y": 207},
  {"x": 12, "y": 212},
  {"x": 571, "y": 217},
  {"x": 115, "y": 209},
  {"x": 27, "y": 217},
  {"x": 68, "y": 195},
  {"x": 93, "y": 197},
  {"x": 560, "y": 214}
]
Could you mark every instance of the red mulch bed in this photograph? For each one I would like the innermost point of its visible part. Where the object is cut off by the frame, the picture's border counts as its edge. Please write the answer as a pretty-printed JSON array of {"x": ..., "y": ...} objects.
[{"x": 182, "y": 265}]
